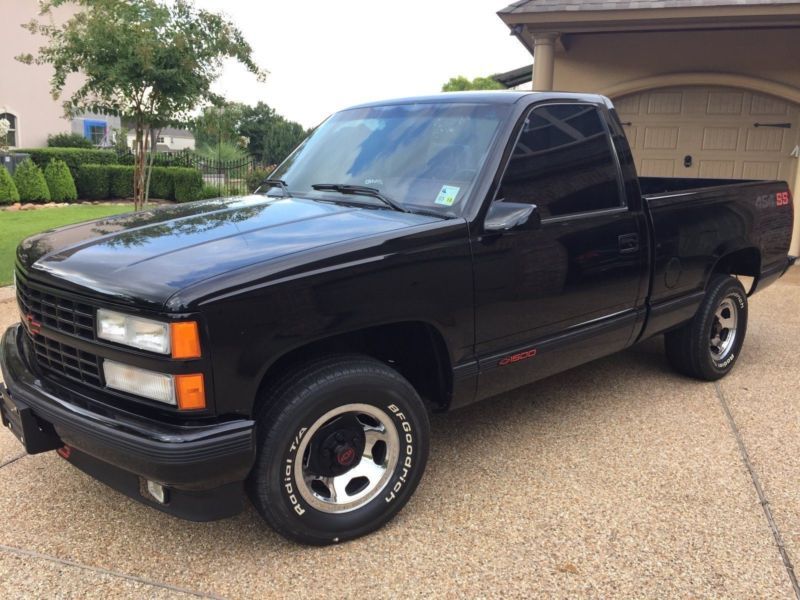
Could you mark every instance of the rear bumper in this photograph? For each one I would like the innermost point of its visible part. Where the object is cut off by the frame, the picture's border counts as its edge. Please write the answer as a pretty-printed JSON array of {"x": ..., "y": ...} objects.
[{"x": 190, "y": 460}]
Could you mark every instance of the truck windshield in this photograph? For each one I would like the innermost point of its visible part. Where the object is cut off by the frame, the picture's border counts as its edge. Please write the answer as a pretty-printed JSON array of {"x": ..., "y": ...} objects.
[{"x": 423, "y": 157}]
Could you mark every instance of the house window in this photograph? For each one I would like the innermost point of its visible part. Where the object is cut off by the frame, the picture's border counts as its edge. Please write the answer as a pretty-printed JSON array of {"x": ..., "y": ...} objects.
[
  {"x": 160, "y": 139},
  {"x": 94, "y": 131},
  {"x": 11, "y": 136}
]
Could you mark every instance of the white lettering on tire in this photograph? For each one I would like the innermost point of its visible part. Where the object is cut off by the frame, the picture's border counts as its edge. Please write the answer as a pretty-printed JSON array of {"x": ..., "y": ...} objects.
[
  {"x": 287, "y": 475},
  {"x": 409, "y": 451}
]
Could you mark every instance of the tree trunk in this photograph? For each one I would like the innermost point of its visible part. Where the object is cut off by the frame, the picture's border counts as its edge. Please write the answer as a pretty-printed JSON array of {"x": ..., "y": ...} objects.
[{"x": 138, "y": 181}]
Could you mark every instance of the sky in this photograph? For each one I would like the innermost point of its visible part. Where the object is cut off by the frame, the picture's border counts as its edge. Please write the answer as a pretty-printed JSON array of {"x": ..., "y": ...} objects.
[{"x": 323, "y": 56}]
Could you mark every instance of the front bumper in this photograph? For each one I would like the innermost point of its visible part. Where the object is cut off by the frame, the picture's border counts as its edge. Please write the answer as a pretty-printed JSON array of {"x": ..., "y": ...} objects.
[{"x": 194, "y": 462}]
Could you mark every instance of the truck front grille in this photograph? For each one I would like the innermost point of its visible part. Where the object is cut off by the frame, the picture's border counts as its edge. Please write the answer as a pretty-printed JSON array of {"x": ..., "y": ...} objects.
[
  {"x": 55, "y": 311},
  {"x": 66, "y": 360}
]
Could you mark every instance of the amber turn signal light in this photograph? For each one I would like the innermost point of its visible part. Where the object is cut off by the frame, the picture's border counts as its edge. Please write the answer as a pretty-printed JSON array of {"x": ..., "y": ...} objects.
[
  {"x": 190, "y": 391},
  {"x": 185, "y": 340}
]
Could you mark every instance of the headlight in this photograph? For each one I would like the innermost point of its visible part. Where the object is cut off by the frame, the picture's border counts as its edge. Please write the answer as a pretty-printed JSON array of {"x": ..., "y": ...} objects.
[
  {"x": 137, "y": 332},
  {"x": 156, "y": 386},
  {"x": 187, "y": 392}
]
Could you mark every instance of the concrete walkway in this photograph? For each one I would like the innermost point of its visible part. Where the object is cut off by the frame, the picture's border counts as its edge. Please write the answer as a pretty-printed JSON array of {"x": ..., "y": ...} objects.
[{"x": 616, "y": 479}]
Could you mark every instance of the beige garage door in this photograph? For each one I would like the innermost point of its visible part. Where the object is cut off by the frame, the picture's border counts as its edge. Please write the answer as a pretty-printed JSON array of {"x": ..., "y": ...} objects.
[{"x": 711, "y": 132}]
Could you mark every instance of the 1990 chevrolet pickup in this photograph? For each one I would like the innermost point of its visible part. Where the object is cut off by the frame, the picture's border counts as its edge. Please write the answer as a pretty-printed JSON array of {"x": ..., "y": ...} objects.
[{"x": 410, "y": 256}]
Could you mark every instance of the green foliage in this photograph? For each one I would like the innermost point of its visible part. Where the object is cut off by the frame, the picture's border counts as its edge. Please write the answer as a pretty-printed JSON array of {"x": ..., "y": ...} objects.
[
  {"x": 94, "y": 182},
  {"x": 68, "y": 140},
  {"x": 226, "y": 152},
  {"x": 59, "y": 181},
  {"x": 256, "y": 176},
  {"x": 120, "y": 184},
  {"x": 8, "y": 189},
  {"x": 30, "y": 181},
  {"x": 271, "y": 136},
  {"x": 162, "y": 185},
  {"x": 210, "y": 191},
  {"x": 149, "y": 61},
  {"x": 103, "y": 182},
  {"x": 188, "y": 184},
  {"x": 461, "y": 84},
  {"x": 218, "y": 124},
  {"x": 74, "y": 157}
]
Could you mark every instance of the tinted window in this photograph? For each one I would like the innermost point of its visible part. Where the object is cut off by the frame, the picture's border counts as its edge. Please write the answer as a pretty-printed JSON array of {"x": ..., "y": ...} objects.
[
  {"x": 424, "y": 156},
  {"x": 562, "y": 162}
]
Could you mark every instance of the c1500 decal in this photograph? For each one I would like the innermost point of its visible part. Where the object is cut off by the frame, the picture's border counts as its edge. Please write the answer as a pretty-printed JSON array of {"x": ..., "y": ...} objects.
[{"x": 507, "y": 360}]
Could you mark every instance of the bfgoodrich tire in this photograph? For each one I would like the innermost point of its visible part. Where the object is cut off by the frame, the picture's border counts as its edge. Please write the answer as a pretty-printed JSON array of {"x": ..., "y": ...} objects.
[
  {"x": 342, "y": 445},
  {"x": 708, "y": 346}
]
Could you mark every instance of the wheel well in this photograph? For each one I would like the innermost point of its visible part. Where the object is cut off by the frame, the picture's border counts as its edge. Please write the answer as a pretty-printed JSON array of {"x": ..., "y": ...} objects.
[
  {"x": 415, "y": 349},
  {"x": 746, "y": 262}
]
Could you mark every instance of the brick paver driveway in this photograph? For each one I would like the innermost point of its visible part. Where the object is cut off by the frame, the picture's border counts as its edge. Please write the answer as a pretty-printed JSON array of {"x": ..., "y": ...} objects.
[{"x": 616, "y": 479}]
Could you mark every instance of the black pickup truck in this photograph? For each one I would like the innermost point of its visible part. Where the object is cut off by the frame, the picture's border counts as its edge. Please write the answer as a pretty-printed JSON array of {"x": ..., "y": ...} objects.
[{"x": 410, "y": 256}]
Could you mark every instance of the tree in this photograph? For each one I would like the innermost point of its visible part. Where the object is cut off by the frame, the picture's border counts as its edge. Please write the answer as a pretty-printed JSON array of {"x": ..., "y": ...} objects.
[
  {"x": 149, "y": 61},
  {"x": 218, "y": 124},
  {"x": 461, "y": 84},
  {"x": 59, "y": 181},
  {"x": 271, "y": 136},
  {"x": 30, "y": 182}
]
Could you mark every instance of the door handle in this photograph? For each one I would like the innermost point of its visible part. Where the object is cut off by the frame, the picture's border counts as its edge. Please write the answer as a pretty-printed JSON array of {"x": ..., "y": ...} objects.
[{"x": 628, "y": 243}]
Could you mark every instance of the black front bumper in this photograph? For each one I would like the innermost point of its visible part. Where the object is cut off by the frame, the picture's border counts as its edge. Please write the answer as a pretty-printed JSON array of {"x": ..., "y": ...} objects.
[{"x": 202, "y": 466}]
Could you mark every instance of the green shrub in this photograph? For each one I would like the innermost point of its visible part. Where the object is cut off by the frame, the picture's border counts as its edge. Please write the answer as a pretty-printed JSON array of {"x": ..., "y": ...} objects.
[
  {"x": 256, "y": 176},
  {"x": 102, "y": 182},
  {"x": 30, "y": 181},
  {"x": 74, "y": 157},
  {"x": 188, "y": 184},
  {"x": 59, "y": 181},
  {"x": 162, "y": 186},
  {"x": 68, "y": 140},
  {"x": 210, "y": 191},
  {"x": 94, "y": 182},
  {"x": 120, "y": 181},
  {"x": 8, "y": 189}
]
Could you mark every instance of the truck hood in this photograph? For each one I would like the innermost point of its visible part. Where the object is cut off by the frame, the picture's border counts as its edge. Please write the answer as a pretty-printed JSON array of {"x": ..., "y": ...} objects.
[{"x": 150, "y": 255}]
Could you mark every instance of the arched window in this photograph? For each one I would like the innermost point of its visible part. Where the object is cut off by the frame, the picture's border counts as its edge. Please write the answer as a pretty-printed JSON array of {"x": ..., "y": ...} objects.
[{"x": 11, "y": 136}]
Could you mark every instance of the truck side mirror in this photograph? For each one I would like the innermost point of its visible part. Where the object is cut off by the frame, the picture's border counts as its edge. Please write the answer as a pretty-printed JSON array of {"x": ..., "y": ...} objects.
[{"x": 505, "y": 216}]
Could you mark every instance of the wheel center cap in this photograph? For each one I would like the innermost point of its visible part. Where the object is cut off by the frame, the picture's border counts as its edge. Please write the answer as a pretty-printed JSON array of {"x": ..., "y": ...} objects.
[{"x": 345, "y": 456}]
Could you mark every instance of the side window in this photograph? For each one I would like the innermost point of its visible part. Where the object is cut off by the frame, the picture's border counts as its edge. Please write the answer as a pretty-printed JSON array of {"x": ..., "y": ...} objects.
[{"x": 562, "y": 162}]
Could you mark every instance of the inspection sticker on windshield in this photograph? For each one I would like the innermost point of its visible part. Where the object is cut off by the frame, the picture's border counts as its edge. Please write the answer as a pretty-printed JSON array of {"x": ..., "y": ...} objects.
[{"x": 447, "y": 195}]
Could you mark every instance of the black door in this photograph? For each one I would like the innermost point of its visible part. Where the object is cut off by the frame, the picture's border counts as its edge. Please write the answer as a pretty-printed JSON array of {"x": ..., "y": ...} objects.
[{"x": 550, "y": 298}]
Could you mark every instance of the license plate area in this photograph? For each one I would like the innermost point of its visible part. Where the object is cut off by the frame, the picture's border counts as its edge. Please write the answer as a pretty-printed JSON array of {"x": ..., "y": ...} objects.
[{"x": 35, "y": 435}]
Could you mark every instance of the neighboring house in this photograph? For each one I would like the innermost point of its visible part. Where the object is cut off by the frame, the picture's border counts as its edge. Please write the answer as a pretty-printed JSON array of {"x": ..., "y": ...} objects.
[
  {"x": 25, "y": 98},
  {"x": 704, "y": 88},
  {"x": 170, "y": 139}
]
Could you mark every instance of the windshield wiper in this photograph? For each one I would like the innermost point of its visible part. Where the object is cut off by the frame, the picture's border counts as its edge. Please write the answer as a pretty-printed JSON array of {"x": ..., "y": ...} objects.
[
  {"x": 280, "y": 183},
  {"x": 359, "y": 190}
]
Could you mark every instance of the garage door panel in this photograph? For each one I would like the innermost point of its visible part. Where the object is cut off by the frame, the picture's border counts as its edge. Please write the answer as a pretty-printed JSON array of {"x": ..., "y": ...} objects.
[
  {"x": 765, "y": 139},
  {"x": 725, "y": 103},
  {"x": 657, "y": 167},
  {"x": 717, "y": 169},
  {"x": 767, "y": 105},
  {"x": 720, "y": 138},
  {"x": 715, "y": 127},
  {"x": 760, "y": 170},
  {"x": 661, "y": 138}
]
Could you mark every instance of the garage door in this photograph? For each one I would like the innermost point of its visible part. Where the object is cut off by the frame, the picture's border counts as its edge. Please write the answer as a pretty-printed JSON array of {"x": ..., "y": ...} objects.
[{"x": 711, "y": 132}]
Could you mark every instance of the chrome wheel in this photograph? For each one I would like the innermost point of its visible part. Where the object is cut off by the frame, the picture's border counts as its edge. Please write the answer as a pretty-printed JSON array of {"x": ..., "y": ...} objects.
[
  {"x": 346, "y": 458},
  {"x": 723, "y": 329}
]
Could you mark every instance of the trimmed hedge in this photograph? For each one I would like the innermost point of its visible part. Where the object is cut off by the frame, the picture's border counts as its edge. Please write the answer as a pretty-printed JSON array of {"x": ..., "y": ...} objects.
[
  {"x": 8, "y": 189},
  {"x": 102, "y": 182},
  {"x": 94, "y": 182},
  {"x": 59, "y": 181},
  {"x": 68, "y": 140},
  {"x": 30, "y": 181},
  {"x": 74, "y": 157}
]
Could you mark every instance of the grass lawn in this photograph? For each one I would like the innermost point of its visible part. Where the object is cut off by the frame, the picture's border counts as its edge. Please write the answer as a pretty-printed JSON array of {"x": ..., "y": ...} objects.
[{"x": 16, "y": 226}]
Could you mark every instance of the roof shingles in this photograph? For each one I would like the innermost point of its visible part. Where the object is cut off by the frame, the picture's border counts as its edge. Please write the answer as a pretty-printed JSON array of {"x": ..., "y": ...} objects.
[{"x": 535, "y": 6}]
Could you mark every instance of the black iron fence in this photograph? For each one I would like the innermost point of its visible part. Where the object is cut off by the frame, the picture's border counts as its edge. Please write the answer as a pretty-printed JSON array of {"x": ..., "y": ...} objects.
[{"x": 235, "y": 177}]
